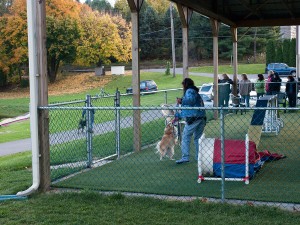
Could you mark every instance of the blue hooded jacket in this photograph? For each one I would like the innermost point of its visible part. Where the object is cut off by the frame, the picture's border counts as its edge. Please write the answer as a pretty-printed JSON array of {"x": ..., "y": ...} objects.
[{"x": 191, "y": 98}]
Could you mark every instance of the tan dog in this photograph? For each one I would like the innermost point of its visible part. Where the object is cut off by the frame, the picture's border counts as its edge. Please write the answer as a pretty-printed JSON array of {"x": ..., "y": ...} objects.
[{"x": 166, "y": 145}]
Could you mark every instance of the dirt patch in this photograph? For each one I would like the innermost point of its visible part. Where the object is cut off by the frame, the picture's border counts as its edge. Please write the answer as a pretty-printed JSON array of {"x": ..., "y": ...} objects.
[{"x": 69, "y": 84}]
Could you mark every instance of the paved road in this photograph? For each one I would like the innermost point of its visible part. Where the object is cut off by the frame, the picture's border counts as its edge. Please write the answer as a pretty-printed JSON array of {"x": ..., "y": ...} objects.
[{"x": 180, "y": 71}]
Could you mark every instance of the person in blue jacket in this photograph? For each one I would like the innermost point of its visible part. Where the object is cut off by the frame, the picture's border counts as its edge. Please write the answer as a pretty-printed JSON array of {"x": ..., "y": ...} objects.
[{"x": 195, "y": 118}]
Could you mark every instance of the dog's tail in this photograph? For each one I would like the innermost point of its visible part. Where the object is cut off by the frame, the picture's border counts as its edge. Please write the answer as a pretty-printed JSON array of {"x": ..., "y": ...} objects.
[{"x": 157, "y": 147}]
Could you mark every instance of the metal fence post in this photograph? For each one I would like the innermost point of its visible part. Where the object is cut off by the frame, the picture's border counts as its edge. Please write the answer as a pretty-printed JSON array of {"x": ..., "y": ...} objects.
[
  {"x": 166, "y": 97},
  {"x": 222, "y": 154},
  {"x": 89, "y": 131},
  {"x": 117, "y": 123}
]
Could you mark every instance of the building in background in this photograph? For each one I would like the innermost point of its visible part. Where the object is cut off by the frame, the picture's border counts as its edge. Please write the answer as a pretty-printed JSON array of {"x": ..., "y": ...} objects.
[{"x": 288, "y": 32}]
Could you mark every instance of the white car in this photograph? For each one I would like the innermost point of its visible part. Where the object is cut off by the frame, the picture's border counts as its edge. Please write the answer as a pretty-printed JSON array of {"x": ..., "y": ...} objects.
[
  {"x": 208, "y": 103},
  {"x": 207, "y": 89}
]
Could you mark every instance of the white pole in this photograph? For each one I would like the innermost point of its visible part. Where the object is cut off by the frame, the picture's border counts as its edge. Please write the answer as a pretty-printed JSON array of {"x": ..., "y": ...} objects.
[
  {"x": 33, "y": 73},
  {"x": 200, "y": 156},
  {"x": 247, "y": 160}
]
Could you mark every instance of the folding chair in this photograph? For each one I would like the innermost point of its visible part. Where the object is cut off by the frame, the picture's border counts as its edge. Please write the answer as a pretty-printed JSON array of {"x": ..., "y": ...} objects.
[{"x": 236, "y": 102}]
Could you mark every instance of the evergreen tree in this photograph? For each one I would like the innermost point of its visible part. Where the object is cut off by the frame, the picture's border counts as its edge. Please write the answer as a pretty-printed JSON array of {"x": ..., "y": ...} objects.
[
  {"x": 270, "y": 53},
  {"x": 149, "y": 32},
  {"x": 279, "y": 52},
  {"x": 292, "y": 57},
  {"x": 4, "y": 5},
  {"x": 286, "y": 49},
  {"x": 122, "y": 7},
  {"x": 100, "y": 5}
]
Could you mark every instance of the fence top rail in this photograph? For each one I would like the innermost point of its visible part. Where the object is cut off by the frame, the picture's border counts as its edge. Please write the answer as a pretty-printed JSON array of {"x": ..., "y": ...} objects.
[
  {"x": 66, "y": 103},
  {"x": 51, "y": 107}
]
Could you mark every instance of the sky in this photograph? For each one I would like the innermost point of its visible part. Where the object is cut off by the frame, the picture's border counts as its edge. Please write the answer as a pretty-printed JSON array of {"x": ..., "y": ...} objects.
[{"x": 112, "y": 2}]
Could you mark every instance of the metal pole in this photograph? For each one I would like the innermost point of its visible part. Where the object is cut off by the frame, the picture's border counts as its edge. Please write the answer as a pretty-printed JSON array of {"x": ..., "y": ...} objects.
[
  {"x": 88, "y": 132},
  {"x": 117, "y": 123},
  {"x": 222, "y": 155},
  {"x": 166, "y": 97}
]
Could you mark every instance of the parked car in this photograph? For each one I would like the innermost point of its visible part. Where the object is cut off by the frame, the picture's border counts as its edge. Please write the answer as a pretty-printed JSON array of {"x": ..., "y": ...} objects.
[
  {"x": 207, "y": 100},
  {"x": 145, "y": 86},
  {"x": 281, "y": 68}
]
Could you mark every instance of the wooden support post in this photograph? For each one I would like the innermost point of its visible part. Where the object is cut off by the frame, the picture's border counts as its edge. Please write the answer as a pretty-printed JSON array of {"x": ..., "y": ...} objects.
[
  {"x": 298, "y": 52},
  {"x": 185, "y": 15},
  {"x": 43, "y": 116},
  {"x": 173, "y": 41},
  {"x": 235, "y": 66},
  {"x": 215, "y": 31},
  {"x": 135, "y": 6}
]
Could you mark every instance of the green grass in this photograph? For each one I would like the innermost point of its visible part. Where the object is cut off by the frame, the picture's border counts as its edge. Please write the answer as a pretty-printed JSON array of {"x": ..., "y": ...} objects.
[
  {"x": 15, "y": 107},
  {"x": 15, "y": 173},
  {"x": 92, "y": 208},
  {"x": 15, "y": 131},
  {"x": 144, "y": 168},
  {"x": 242, "y": 68}
]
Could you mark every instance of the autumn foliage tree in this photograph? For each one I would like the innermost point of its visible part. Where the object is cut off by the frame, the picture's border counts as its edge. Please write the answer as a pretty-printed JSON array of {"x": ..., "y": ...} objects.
[
  {"x": 103, "y": 38},
  {"x": 74, "y": 34},
  {"x": 13, "y": 40}
]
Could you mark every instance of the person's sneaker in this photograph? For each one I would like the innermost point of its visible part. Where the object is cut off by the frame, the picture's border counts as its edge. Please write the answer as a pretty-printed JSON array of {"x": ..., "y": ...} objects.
[{"x": 180, "y": 161}]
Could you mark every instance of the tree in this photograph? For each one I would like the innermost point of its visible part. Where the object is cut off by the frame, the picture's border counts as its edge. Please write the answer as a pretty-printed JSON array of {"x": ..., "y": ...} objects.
[
  {"x": 159, "y": 6},
  {"x": 62, "y": 43},
  {"x": 270, "y": 53},
  {"x": 122, "y": 7},
  {"x": 292, "y": 52},
  {"x": 62, "y": 33},
  {"x": 103, "y": 38},
  {"x": 100, "y": 5},
  {"x": 13, "y": 41},
  {"x": 4, "y": 6},
  {"x": 286, "y": 49}
]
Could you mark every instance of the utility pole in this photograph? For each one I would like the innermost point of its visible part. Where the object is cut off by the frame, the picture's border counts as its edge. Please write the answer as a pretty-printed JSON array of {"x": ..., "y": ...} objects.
[
  {"x": 254, "y": 45},
  {"x": 172, "y": 37}
]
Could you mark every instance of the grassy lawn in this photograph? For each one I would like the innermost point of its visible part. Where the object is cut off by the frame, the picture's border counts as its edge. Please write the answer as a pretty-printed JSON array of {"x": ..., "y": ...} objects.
[
  {"x": 242, "y": 68},
  {"x": 15, "y": 107},
  {"x": 15, "y": 131},
  {"x": 18, "y": 106},
  {"x": 92, "y": 208}
]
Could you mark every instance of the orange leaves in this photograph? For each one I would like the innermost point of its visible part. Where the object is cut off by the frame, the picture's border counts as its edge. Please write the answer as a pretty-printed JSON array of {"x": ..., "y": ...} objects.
[
  {"x": 74, "y": 31},
  {"x": 63, "y": 8}
]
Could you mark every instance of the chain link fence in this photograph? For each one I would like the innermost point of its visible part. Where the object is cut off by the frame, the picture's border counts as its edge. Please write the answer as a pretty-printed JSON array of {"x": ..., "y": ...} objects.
[{"x": 245, "y": 154}]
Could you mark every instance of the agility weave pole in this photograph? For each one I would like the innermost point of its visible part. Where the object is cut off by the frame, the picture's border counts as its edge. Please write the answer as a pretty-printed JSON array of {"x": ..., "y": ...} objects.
[{"x": 208, "y": 143}]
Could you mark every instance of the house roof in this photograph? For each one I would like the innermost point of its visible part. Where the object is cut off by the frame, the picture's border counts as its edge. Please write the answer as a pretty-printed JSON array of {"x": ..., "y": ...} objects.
[{"x": 248, "y": 13}]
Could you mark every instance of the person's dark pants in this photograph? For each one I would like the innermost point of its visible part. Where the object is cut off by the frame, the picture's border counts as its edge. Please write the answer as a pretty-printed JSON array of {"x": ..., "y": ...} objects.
[
  {"x": 292, "y": 100},
  {"x": 260, "y": 95}
]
